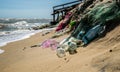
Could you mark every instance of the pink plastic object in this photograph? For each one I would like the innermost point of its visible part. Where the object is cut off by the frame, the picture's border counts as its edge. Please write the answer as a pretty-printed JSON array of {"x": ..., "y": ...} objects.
[
  {"x": 63, "y": 23},
  {"x": 50, "y": 43}
]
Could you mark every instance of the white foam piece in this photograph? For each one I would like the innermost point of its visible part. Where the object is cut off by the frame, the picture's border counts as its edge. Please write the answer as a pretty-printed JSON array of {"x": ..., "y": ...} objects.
[{"x": 1, "y": 51}]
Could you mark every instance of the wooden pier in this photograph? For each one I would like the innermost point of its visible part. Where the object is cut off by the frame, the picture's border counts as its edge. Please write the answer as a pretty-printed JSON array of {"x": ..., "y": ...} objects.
[{"x": 61, "y": 10}]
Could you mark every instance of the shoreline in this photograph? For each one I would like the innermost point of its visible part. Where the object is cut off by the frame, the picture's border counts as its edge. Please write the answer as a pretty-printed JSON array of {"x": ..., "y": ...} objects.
[
  {"x": 20, "y": 54},
  {"x": 26, "y": 36}
]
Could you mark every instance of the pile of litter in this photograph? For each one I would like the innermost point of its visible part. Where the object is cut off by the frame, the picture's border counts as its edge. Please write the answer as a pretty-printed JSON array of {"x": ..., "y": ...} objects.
[{"x": 86, "y": 22}]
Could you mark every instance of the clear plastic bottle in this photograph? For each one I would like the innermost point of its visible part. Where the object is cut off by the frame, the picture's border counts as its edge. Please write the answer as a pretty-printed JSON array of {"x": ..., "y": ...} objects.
[{"x": 61, "y": 52}]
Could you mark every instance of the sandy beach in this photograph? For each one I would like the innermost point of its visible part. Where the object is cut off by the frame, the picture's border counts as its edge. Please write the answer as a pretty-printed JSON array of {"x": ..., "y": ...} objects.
[
  {"x": 20, "y": 57},
  {"x": 95, "y": 29}
]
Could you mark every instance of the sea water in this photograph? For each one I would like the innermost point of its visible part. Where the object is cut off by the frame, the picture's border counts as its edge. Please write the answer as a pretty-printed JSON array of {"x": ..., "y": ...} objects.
[{"x": 10, "y": 32}]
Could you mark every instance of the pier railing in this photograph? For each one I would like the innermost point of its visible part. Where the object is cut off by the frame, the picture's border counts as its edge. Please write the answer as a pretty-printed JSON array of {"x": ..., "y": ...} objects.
[{"x": 62, "y": 9}]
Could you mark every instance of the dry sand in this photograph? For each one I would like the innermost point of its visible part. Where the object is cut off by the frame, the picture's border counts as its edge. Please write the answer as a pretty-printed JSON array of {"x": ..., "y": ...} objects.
[{"x": 101, "y": 55}]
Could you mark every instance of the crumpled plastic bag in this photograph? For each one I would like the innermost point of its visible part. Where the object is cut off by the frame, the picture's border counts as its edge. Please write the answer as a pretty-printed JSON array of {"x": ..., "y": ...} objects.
[{"x": 50, "y": 43}]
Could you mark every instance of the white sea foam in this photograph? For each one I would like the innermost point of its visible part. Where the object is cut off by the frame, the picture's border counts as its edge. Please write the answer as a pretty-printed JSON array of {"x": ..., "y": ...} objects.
[
  {"x": 15, "y": 37},
  {"x": 19, "y": 35},
  {"x": 3, "y": 44},
  {"x": 1, "y": 51}
]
